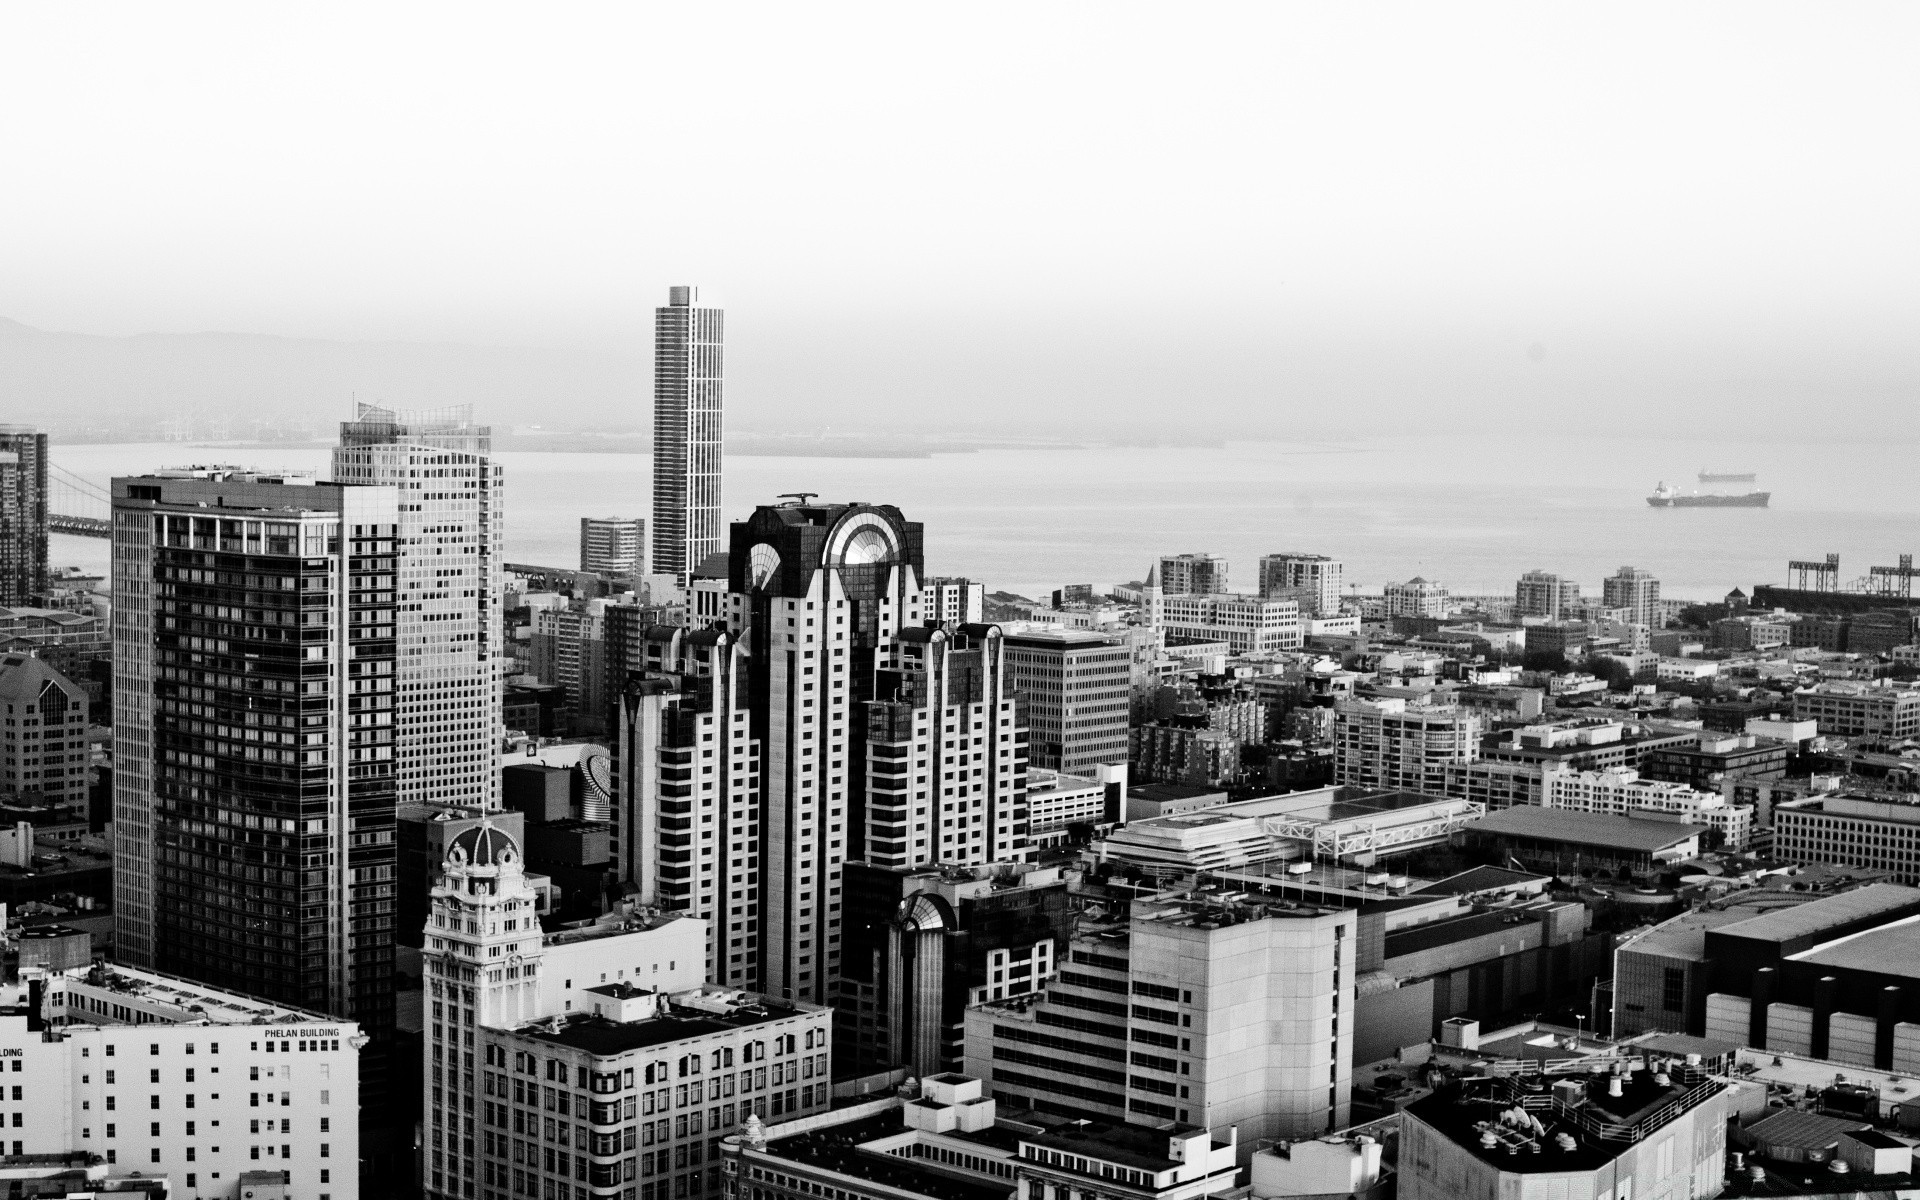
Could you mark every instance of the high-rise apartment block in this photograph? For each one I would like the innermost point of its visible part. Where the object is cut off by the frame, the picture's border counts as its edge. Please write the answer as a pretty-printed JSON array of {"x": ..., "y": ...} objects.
[
  {"x": 1312, "y": 579},
  {"x": 1544, "y": 594},
  {"x": 961, "y": 601},
  {"x": 1077, "y": 686},
  {"x": 687, "y": 820},
  {"x": 688, "y": 368},
  {"x": 1233, "y": 1013},
  {"x": 568, "y": 644},
  {"x": 936, "y": 692},
  {"x": 1417, "y": 597},
  {"x": 1192, "y": 574},
  {"x": 614, "y": 546},
  {"x": 1390, "y": 745},
  {"x": 46, "y": 732},
  {"x": 448, "y": 664},
  {"x": 1635, "y": 590},
  {"x": 254, "y": 657},
  {"x": 23, "y": 516}
]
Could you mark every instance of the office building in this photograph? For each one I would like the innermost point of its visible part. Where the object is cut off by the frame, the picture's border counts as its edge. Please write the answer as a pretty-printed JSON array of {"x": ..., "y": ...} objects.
[
  {"x": 448, "y": 662},
  {"x": 1077, "y": 686},
  {"x": 1544, "y": 594},
  {"x": 210, "y": 1090},
  {"x": 254, "y": 756},
  {"x": 574, "y": 1007},
  {"x": 1209, "y": 1010},
  {"x": 1847, "y": 709},
  {"x": 23, "y": 516},
  {"x": 568, "y": 646},
  {"x": 614, "y": 546},
  {"x": 689, "y": 340},
  {"x": 1875, "y": 831},
  {"x": 923, "y": 943},
  {"x": 1192, "y": 574},
  {"x": 46, "y": 732},
  {"x": 955, "y": 600},
  {"x": 1247, "y": 624},
  {"x": 1417, "y": 597},
  {"x": 1637, "y": 591},
  {"x": 1056, "y": 800},
  {"x": 1311, "y": 579},
  {"x": 1573, "y": 1132},
  {"x": 1390, "y": 745}
]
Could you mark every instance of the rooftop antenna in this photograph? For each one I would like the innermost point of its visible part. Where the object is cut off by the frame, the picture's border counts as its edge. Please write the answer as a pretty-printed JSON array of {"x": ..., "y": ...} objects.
[{"x": 798, "y": 497}]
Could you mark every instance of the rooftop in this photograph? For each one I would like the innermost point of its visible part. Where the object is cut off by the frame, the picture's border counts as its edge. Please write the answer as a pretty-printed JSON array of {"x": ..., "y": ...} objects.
[
  {"x": 1829, "y": 912},
  {"x": 1685, "y": 936},
  {"x": 1635, "y": 834},
  {"x": 1554, "y": 1137},
  {"x": 837, "y": 1148},
  {"x": 197, "y": 1001},
  {"x": 1124, "y": 1144},
  {"x": 689, "y": 1015},
  {"x": 1483, "y": 879}
]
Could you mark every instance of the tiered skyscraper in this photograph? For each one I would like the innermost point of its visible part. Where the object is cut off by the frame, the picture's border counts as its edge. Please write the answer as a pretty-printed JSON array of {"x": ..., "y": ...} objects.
[
  {"x": 826, "y": 722},
  {"x": 23, "y": 516},
  {"x": 447, "y": 723},
  {"x": 254, "y": 750},
  {"x": 688, "y": 341}
]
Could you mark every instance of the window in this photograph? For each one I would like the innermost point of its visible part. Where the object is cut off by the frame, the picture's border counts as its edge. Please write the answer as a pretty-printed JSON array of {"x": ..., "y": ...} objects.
[{"x": 1673, "y": 989}]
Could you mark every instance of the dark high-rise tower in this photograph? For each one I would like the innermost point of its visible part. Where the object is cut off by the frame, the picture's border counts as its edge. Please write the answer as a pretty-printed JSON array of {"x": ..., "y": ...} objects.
[
  {"x": 253, "y": 807},
  {"x": 23, "y": 516},
  {"x": 688, "y": 340}
]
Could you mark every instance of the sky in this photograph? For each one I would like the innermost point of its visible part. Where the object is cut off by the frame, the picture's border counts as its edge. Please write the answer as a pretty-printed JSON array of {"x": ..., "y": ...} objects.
[{"x": 1232, "y": 217}]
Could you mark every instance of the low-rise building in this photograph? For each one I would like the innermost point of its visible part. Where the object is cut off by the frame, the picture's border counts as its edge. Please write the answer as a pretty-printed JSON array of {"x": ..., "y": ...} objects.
[
  {"x": 1845, "y": 709},
  {"x": 1878, "y": 831},
  {"x": 1248, "y": 624},
  {"x": 1621, "y": 790},
  {"x": 1535, "y": 1137},
  {"x": 1567, "y": 843},
  {"x": 160, "y": 1076}
]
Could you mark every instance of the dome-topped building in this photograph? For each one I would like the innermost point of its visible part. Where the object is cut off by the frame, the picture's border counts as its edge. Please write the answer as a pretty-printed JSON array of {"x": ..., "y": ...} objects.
[{"x": 485, "y": 845}]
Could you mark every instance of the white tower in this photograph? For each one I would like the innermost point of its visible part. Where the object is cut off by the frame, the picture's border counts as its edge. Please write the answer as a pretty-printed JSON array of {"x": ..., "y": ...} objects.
[{"x": 481, "y": 963}]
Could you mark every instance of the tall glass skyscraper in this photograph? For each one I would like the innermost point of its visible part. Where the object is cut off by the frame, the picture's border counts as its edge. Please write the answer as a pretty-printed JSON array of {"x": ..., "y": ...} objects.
[
  {"x": 688, "y": 340},
  {"x": 447, "y": 723},
  {"x": 253, "y": 803}
]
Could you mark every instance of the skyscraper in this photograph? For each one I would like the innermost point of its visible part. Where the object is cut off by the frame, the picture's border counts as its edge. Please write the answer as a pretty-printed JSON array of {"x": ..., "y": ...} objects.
[
  {"x": 23, "y": 516},
  {"x": 688, "y": 340},
  {"x": 1077, "y": 688},
  {"x": 253, "y": 808},
  {"x": 818, "y": 592},
  {"x": 1634, "y": 589},
  {"x": 447, "y": 723},
  {"x": 613, "y": 546}
]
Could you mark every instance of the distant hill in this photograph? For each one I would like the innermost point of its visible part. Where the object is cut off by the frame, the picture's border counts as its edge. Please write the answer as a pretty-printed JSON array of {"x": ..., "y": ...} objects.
[{"x": 270, "y": 386}]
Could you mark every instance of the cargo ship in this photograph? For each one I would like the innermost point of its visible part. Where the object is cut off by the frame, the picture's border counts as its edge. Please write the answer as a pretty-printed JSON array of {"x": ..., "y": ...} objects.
[
  {"x": 1707, "y": 476},
  {"x": 1668, "y": 497}
]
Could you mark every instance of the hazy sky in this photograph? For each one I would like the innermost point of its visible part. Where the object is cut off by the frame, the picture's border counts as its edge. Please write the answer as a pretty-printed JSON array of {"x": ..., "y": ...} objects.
[{"x": 1260, "y": 212}]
